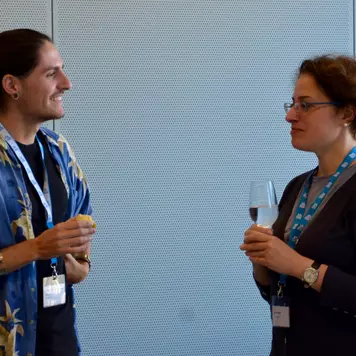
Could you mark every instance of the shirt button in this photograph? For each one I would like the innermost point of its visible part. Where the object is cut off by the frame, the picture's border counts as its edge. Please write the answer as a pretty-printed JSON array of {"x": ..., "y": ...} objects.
[
  {"x": 29, "y": 354},
  {"x": 31, "y": 322},
  {"x": 32, "y": 290}
]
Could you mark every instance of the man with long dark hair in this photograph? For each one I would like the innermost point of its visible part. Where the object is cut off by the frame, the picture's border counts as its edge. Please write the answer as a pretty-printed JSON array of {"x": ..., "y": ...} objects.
[{"x": 44, "y": 249}]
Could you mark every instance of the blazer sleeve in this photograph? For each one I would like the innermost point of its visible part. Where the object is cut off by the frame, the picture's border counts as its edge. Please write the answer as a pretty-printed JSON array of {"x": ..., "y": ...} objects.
[
  {"x": 265, "y": 291},
  {"x": 338, "y": 290}
]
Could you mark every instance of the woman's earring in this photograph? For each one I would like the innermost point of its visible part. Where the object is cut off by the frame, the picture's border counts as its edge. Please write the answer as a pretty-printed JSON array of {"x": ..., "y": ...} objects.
[{"x": 16, "y": 96}]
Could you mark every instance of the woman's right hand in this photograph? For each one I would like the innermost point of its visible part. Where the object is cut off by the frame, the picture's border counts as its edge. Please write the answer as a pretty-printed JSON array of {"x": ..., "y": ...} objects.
[
  {"x": 71, "y": 236},
  {"x": 260, "y": 272}
]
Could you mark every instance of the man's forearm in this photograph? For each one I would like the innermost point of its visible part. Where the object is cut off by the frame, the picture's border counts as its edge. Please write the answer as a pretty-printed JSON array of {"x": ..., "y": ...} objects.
[
  {"x": 17, "y": 256},
  {"x": 76, "y": 271}
]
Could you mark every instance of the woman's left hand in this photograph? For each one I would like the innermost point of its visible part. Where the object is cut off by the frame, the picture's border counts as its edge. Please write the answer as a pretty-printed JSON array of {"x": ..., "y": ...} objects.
[{"x": 268, "y": 250}]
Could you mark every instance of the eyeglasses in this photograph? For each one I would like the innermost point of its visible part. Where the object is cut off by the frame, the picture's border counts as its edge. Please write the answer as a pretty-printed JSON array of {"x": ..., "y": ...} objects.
[{"x": 304, "y": 106}]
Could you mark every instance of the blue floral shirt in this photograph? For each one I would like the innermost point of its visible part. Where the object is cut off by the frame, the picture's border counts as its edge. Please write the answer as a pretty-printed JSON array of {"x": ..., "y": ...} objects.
[{"x": 18, "y": 290}]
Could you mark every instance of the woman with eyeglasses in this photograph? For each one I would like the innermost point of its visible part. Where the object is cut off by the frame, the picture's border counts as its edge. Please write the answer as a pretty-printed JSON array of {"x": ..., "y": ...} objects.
[{"x": 305, "y": 267}]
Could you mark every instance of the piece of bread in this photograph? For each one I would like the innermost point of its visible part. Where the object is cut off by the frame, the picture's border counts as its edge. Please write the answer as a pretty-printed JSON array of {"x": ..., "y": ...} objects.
[{"x": 86, "y": 218}]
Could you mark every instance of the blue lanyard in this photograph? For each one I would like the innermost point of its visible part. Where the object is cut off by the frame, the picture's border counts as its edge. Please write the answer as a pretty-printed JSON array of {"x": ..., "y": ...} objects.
[
  {"x": 44, "y": 194},
  {"x": 302, "y": 218}
]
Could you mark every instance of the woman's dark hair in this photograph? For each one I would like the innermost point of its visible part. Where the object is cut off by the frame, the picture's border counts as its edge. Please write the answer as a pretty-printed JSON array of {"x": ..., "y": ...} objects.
[
  {"x": 335, "y": 75},
  {"x": 19, "y": 54}
]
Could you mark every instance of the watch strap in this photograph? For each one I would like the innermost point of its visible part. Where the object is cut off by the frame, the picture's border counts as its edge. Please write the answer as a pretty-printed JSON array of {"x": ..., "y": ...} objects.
[{"x": 316, "y": 265}]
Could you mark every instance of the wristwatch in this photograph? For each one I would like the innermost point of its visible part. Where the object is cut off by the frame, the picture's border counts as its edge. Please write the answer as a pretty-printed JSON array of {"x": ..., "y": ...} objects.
[
  {"x": 83, "y": 257},
  {"x": 311, "y": 274},
  {"x": 2, "y": 271}
]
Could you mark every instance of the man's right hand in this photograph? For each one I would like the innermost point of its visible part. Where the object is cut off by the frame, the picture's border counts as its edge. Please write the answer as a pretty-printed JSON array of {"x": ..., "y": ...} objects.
[{"x": 71, "y": 236}]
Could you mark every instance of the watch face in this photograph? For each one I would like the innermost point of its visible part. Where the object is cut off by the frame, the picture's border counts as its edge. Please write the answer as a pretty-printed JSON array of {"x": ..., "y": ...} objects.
[{"x": 310, "y": 275}]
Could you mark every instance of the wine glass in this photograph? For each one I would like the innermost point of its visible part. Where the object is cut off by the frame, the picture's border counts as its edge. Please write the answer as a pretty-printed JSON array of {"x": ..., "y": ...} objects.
[{"x": 263, "y": 203}]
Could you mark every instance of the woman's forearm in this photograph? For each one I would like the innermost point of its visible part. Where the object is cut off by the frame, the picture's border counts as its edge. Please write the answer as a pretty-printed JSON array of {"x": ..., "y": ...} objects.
[{"x": 261, "y": 274}]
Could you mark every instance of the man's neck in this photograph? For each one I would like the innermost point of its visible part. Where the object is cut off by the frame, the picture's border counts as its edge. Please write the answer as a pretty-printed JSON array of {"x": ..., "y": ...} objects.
[{"x": 21, "y": 129}]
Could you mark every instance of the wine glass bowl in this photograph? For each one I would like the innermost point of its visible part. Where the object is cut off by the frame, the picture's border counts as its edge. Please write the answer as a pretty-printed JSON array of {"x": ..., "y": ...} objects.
[{"x": 263, "y": 203}]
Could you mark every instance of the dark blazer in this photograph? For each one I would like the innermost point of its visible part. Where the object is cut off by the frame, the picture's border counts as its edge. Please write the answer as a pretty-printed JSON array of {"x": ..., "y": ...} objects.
[{"x": 321, "y": 323}]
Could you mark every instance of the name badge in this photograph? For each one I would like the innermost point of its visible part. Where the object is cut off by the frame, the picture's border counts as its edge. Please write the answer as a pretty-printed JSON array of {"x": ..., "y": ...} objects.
[
  {"x": 280, "y": 312},
  {"x": 54, "y": 291}
]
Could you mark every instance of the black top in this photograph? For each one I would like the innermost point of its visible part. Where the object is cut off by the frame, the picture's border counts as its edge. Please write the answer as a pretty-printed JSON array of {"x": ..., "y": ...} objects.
[
  {"x": 322, "y": 323},
  {"x": 55, "y": 325}
]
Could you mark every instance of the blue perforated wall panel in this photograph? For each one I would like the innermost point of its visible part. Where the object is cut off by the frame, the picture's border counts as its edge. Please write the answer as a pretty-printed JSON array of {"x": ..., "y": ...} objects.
[{"x": 176, "y": 106}]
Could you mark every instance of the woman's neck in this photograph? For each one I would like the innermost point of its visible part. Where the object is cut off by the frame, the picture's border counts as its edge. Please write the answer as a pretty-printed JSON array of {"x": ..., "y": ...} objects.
[{"x": 330, "y": 160}]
